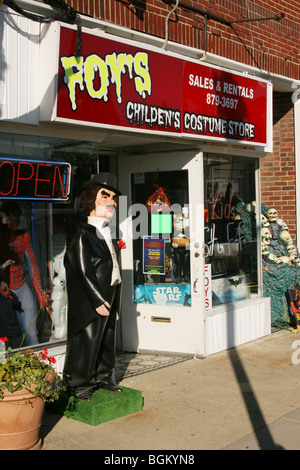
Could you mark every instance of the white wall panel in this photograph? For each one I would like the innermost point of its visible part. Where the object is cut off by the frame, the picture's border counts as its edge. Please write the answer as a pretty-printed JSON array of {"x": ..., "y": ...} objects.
[
  {"x": 236, "y": 325},
  {"x": 19, "y": 68}
]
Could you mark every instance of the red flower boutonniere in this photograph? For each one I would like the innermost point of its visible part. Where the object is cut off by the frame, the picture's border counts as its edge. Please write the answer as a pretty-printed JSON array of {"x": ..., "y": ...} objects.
[{"x": 121, "y": 244}]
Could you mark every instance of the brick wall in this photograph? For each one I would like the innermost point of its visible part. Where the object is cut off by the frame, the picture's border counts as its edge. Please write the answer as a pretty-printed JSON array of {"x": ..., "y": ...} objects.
[
  {"x": 278, "y": 168},
  {"x": 270, "y": 45}
]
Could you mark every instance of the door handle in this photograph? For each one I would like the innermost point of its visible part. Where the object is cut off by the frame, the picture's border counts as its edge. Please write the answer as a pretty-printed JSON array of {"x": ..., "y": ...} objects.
[{"x": 195, "y": 289}]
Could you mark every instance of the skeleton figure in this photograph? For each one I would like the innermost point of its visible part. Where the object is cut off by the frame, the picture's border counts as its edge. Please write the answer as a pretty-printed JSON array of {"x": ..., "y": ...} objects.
[
  {"x": 286, "y": 237},
  {"x": 273, "y": 219},
  {"x": 272, "y": 215},
  {"x": 265, "y": 250},
  {"x": 266, "y": 242},
  {"x": 266, "y": 236},
  {"x": 264, "y": 221},
  {"x": 293, "y": 254},
  {"x": 276, "y": 238},
  {"x": 285, "y": 260},
  {"x": 282, "y": 224}
]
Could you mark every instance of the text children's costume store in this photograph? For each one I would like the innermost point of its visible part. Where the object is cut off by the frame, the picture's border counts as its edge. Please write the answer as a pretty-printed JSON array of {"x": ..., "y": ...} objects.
[{"x": 184, "y": 139}]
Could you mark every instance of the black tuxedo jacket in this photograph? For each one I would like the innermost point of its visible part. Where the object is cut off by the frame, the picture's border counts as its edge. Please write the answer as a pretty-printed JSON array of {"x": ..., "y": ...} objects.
[{"x": 88, "y": 265}]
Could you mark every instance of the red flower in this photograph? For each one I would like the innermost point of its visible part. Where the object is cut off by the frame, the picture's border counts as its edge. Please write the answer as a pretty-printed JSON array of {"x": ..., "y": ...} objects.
[
  {"x": 4, "y": 339},
  {"x": 121, "y": 244},
  {"x": 44, "y": 354}
]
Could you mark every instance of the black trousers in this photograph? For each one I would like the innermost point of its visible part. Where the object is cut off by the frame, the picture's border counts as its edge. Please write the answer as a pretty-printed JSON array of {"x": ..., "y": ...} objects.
[{"x": 91, "y": 355}]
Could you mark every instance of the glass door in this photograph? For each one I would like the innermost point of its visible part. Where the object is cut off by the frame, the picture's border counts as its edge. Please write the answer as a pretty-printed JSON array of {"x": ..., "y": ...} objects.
[
  {"x": 162, "y": 265},
  {"x": 161, "y": 252}
]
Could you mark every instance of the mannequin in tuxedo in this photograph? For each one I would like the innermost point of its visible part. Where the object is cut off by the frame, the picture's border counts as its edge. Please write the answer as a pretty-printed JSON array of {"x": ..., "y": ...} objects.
[{"x": 93, "y": 282}]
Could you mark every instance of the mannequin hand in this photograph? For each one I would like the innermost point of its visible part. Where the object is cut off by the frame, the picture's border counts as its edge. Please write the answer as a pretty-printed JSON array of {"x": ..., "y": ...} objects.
[
  {"x": 102, "y": 310},
  {"x": 5, "y": 290}
]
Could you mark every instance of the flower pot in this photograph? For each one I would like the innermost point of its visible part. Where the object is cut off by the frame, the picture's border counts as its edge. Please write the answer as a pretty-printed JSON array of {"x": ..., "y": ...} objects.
[{"x": 20, "y": 421}]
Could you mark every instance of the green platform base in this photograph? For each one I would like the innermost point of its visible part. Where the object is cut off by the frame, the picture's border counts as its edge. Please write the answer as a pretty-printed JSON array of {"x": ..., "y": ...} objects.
[{"x": 103, "y": 406}]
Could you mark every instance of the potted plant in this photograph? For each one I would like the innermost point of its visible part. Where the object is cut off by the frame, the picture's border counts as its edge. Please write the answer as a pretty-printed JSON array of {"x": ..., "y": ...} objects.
[{"x": 27, "y": 381}]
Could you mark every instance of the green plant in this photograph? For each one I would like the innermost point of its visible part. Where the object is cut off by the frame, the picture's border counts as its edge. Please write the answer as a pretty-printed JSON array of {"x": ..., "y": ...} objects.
[
  {"x": 27, "y": 369},
  {"x": 32, "y": 371}
]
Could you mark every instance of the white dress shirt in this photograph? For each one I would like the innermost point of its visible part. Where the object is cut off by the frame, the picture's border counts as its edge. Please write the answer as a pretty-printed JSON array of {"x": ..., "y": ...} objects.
[{"x": 101, "y": 225}]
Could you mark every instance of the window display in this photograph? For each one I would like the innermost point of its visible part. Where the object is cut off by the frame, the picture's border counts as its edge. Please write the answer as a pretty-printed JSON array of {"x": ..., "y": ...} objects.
[
  {"x": 161, "y": 238},
  {"x": 18, "y": 251},
  {"x": 40, "y": 179},
  {"x": 230, "y": 228}
]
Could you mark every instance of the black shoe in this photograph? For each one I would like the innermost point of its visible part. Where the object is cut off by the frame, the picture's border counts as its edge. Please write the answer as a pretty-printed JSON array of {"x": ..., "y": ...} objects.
[
  {"x": 109, "y": 386},
  {"x": 85, "y": 395}
]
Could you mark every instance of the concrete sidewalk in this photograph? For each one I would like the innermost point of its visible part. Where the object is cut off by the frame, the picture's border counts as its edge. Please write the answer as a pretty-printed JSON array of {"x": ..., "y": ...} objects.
[{"x": 244, "y": 398}]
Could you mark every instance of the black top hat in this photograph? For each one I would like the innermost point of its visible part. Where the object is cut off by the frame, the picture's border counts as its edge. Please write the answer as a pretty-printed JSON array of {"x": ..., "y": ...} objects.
[{"x": 103, "y": 180}]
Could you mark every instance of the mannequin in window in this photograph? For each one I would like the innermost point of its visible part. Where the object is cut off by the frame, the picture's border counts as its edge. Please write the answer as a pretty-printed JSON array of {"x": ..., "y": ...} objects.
[
  {"x": 94, "y": 292},
  {"x": 20, "y": 249}
]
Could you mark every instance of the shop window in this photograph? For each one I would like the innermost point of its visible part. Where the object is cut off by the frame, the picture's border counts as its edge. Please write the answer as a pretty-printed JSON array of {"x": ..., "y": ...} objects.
[
  {"x": 50, "y": 227},
  {"x": 230, "y": 228}
]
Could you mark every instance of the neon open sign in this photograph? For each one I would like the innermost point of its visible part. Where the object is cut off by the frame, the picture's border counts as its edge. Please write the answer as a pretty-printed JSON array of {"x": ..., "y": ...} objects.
[{"x": 32, "y": 180}]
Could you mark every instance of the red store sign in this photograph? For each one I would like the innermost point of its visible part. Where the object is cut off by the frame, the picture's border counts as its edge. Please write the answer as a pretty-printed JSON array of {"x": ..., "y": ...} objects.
[{"x": 122, "y": 86}]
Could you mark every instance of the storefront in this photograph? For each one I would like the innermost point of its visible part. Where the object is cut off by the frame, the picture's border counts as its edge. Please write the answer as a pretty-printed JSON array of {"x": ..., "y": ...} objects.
[{"x": 184, "y": 140}]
